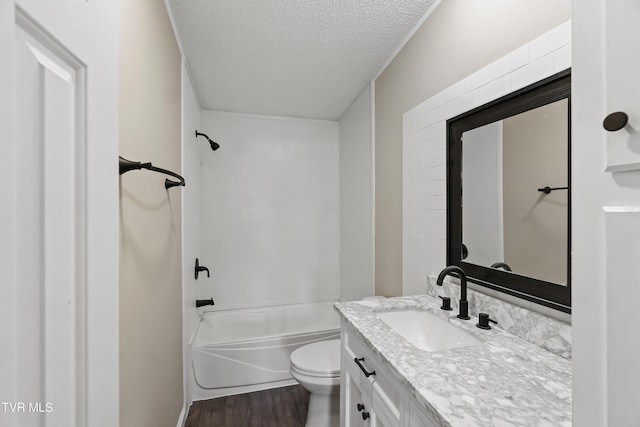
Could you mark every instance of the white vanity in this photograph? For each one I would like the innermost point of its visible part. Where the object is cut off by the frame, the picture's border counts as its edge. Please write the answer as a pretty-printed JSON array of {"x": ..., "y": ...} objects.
[
  {"x": 378, "y": 399},
  {"x": 483, "y": 378}
]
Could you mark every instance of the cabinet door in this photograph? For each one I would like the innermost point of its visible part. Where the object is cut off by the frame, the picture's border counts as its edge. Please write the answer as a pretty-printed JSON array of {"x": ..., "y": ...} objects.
[
  {"x": 417, "y": 418},
  {"x": 378, "y": 421},
  {"x": 353, "y": 392},
  {"x": 381, "y": 413},
  {"x": 353, "y": 397}
]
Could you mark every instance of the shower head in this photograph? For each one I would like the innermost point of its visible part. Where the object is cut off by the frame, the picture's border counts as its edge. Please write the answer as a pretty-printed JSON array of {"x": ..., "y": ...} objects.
[{"x": 214, "y": 145}]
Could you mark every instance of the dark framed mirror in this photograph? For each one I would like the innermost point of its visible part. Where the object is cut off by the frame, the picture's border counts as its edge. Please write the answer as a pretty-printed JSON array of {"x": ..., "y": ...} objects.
[{"x": 509, "y": 193}]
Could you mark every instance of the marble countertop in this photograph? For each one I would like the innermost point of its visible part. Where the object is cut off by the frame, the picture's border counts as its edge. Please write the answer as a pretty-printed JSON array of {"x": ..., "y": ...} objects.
[{"x": 506, "y": 381}]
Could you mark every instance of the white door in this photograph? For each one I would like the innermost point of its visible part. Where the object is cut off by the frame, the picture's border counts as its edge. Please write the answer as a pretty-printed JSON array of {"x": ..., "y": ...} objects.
[
  {"x": 59, "y": 217},
  {"x": 606, "y": 214}
]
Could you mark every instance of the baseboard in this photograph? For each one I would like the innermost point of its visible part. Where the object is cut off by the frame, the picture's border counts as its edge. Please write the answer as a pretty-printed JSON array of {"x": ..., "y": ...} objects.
[
  {"x": 183, "y": 415},
  {"x": 206, "y": 394}
]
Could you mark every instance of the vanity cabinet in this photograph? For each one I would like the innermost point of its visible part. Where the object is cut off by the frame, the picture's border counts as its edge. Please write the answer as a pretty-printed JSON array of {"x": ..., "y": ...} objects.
[
  {"x": 354, "y": 402},
  {"x": 370, "y": 395}
]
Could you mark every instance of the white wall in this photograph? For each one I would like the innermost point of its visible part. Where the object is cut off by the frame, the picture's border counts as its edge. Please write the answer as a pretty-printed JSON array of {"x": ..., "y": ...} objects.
[
  {"x": 270, "y": 210},
  {"x": 605, "y": 306},
  {"x": 590, "y": 299},
  {"x": 482, "y": 195},
  {"x": 535, "y": 155},
  {"x": 151, "y": 376},
  {"x": 356, "y": 226},
  {"x": 192, "y": 151},
  {"x": 458, "y": 38}
]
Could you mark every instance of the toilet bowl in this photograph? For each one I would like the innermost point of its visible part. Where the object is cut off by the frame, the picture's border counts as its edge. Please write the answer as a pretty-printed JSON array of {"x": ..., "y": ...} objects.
[{"x": 316, "y": 367}]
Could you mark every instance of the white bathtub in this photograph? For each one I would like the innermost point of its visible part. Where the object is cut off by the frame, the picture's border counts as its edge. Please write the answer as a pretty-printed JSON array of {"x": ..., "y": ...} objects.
[{"x": 237, "y": 351}]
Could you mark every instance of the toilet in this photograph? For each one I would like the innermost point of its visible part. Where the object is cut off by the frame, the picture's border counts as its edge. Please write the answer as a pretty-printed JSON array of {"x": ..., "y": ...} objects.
[{"x": 316, "y": 367}]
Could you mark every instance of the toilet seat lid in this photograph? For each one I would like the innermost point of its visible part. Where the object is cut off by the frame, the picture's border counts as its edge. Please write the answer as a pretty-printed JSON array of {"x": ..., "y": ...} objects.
[{"x": 322, "y": 357}]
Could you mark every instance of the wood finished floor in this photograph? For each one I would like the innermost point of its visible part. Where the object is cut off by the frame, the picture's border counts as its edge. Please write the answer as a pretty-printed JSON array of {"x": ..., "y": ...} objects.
[{"x": 278, "y": 407}]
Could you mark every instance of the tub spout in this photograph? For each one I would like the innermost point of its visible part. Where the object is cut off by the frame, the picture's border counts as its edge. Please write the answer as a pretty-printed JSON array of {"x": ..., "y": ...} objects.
[{"x": 203, "y": 302}]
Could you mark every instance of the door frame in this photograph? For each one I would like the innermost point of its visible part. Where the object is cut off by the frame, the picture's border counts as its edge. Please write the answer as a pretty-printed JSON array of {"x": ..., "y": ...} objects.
[
  {"x": 64, "y": 21},
  {"x": 7, "y": 218}
]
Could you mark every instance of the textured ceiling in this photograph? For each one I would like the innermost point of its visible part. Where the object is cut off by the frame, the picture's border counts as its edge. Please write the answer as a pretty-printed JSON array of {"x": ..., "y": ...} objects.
[{"x": 297, "y": 58}]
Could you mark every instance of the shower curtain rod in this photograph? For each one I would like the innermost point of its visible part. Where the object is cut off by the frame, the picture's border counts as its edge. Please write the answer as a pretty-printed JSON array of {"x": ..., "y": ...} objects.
[{"x": 129, "y": 165}]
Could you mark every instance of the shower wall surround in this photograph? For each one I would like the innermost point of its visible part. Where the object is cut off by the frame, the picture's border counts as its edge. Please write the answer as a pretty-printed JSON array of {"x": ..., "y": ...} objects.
[
  {"x": 270, "y": 201},
  {"x": 192, "y": 153},
  {"x": 356, "y": 200}
]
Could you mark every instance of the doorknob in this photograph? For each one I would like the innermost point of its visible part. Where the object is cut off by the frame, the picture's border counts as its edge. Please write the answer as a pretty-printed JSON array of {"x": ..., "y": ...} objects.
[{"x": 615, "y": 121}]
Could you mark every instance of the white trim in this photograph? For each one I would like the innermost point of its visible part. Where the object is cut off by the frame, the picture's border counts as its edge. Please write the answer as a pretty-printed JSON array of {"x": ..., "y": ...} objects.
[
  {"x": 173, "y": 26},
  {"x": 621, "y": 209},
  {"x": 195, "y": 92},
  {"x": 355, "y": 100},
  {"x": 194, "y": 333},
  {"x": 339, "y": 194},
  {"x": 8, "y": 307},
  {"x": 184, "y": 75},
  {"x": 176, "y": 35},
  {"x": 415, "y": 28},
  {"x": 234, "y": 307},
  {"x": 372, "y": 88},
  {"x": 214, "y": 393},
  {"x": 190, "y": 78},
  {"x": 182, "y": 420},
  {"x": 267, "y": 117}
]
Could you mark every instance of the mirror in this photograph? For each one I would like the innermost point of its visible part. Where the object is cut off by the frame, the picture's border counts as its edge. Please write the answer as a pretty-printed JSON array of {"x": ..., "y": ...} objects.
[
  {"x": 505, "y": 218},
  {"x": 509, "y": 193}
]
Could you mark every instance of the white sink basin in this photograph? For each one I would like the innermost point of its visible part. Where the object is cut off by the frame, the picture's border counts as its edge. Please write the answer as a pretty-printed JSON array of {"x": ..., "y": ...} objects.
[{"x": 427, "y": 331}]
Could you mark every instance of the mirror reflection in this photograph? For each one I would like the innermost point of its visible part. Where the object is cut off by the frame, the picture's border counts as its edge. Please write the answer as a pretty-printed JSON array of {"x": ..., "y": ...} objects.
[
  {"x": 508, "y": 205},
  {"x": 509, "y": 219}
]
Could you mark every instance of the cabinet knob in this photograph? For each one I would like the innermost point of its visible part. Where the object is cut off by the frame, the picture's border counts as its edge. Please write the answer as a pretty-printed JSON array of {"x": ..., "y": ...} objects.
[
  {"x": 360, "y": 407},
  {"x": 615, "y": 121},
  {"x": 365, "y": 415}
]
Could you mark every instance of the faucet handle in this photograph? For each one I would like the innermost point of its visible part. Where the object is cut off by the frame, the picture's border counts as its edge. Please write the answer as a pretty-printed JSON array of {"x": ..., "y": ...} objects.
[
  {"x": 483, "y": 321},
  {"x": 446, "y": 303},
  {"x": 200, "y": 268}
]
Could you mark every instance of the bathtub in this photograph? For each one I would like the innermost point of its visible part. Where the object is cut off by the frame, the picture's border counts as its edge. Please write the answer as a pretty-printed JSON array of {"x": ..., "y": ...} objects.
[{"x": 237, "y": 351}]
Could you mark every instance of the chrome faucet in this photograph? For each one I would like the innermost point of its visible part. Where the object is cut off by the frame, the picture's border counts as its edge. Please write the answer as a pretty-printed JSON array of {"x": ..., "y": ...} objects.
[{"x": 456, "y": 271}]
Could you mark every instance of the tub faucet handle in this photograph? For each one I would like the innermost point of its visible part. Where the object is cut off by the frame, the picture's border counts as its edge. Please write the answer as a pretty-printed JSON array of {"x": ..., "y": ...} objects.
[{"x": 200, "y": 268}]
